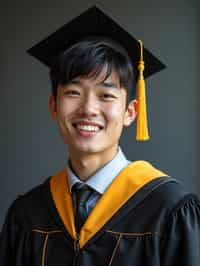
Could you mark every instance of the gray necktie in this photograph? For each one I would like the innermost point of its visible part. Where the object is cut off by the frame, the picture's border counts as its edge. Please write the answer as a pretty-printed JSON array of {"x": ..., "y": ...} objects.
[{"x": 81, "y": 194}]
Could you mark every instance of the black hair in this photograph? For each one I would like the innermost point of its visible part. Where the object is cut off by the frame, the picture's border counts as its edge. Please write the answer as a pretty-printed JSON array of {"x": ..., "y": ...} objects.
[{"x": 87, "y": 58}]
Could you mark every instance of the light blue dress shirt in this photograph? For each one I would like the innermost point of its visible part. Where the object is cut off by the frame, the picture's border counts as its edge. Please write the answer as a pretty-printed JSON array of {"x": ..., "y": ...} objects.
[{"x": 101, "y": 180}]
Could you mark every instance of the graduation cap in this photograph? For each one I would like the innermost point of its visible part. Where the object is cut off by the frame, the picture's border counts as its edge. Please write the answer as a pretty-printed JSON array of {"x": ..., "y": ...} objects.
[{"x": 94, "y": 22}]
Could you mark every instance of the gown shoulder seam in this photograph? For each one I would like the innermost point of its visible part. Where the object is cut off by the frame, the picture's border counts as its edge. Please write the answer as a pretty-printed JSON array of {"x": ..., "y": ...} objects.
[{"x": 182, "y": 202}]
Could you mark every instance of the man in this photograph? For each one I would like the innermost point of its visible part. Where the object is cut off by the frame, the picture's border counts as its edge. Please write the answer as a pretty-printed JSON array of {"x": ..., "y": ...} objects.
[{"x": 101, "y": 209}]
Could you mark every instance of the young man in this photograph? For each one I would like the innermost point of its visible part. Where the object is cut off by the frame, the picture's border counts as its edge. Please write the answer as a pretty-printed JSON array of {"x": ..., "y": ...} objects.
[{"x": 101, "y": 209}]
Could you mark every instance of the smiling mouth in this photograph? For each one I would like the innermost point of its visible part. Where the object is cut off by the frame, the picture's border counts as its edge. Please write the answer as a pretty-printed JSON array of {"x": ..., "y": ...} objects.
[{"x": 87, "y": 128}]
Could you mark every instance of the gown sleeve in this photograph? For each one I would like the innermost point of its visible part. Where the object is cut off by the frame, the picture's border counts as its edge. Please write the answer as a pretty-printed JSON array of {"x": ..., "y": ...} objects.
[
  {"x": 9, "y": 238},
  {"x": 181, "y": 241}
]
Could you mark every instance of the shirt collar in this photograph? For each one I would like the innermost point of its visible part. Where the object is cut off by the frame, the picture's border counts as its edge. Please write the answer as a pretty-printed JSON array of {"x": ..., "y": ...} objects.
[{"x": 104, "y": 176}]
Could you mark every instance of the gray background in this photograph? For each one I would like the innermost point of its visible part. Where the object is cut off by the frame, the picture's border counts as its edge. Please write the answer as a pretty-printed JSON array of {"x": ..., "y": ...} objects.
[{"x": 30, "y": 146}]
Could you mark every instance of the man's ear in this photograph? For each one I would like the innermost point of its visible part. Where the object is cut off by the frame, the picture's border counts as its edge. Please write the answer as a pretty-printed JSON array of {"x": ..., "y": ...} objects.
[
  {"x": 52, "y": 107},
  {"x": 130, "y": 113}
]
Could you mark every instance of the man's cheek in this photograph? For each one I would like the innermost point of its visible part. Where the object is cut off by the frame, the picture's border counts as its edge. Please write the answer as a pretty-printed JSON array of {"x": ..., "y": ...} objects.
[{"x": 115, "y": 115}]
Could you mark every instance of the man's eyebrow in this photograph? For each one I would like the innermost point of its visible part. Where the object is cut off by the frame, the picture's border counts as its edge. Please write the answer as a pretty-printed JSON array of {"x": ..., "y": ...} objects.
[
  {"x": 74, "y": 81},
  {"x": 108, "y": 84}
]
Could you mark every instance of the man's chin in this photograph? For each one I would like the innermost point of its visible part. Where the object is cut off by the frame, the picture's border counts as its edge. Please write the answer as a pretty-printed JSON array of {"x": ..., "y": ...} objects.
[{"x": 87, "y": 149}]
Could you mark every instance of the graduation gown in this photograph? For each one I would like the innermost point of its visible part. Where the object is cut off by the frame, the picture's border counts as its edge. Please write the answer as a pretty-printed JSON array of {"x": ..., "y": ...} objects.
[{"x": 144, "y": 218}]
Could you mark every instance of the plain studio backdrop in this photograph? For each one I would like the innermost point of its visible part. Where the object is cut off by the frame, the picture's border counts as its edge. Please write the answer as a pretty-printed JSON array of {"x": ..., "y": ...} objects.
[{"x": 30, "y": 145}]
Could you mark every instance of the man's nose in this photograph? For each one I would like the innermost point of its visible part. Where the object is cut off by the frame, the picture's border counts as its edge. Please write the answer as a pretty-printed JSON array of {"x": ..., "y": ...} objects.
[{"x": 89, "y": 106}]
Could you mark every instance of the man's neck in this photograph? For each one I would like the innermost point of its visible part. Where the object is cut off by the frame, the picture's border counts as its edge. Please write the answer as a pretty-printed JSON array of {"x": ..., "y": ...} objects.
[{"x": 85, "y": 165}]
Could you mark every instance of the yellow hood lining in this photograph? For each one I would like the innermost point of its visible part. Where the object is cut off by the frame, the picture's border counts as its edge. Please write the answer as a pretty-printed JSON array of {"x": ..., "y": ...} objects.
[{"x": 130, "y": 180}]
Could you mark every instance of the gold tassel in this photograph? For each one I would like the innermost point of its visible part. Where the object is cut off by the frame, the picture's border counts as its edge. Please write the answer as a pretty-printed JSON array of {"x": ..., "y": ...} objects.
[{"x": 142, "y": 127}]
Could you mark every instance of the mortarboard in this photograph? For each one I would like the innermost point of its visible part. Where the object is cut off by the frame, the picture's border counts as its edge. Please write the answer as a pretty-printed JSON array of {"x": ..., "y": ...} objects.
[{"x": 94, "y": 22}]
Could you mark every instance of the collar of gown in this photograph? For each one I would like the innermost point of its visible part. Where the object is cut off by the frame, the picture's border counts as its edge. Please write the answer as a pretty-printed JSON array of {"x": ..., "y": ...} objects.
[{"x": 101, "y": 179}]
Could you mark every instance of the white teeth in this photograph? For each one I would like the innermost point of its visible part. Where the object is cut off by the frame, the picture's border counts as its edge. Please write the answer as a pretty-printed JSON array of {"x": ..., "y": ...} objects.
[{"x": 88, "y": 128}]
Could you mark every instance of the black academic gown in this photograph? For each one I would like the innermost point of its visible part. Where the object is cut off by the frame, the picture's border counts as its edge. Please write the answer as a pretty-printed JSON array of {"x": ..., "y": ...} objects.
[{"x": 144, "y": 219}]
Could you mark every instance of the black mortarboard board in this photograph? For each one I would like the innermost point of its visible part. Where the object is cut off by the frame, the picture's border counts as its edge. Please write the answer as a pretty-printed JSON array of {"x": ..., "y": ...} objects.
[{"x": 93, "y": 22}]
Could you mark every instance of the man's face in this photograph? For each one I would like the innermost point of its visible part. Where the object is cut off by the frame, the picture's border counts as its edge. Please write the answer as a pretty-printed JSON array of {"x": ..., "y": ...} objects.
[{"x": 91, "y": 113}]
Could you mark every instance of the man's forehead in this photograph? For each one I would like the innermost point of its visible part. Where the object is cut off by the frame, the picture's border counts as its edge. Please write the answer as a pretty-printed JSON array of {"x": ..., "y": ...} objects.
[{"x": 104, "y": 77}]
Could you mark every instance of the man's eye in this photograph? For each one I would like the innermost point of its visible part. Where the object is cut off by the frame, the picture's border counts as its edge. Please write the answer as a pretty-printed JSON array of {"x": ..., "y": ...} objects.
[
  {"x": 72, "y": 93},
  {"x": 108, "y": 96}
]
